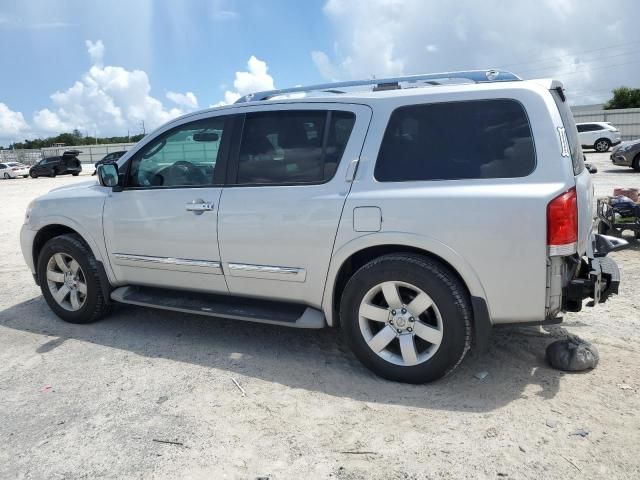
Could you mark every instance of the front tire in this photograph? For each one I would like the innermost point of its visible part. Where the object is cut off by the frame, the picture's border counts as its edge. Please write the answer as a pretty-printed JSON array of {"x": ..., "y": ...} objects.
[
  {"x": 75, "y": 174},
  {"x": 407, "y": 318},
  {"x": 25, "y": 176},
  {"x": 33, "y": 175},
  {"x": 70, "y": 280},
  {"x": 602, "y": 145},
  {"x": 636, "y": 163},
  {"x": 54, "y": 173},
  {"x": 7, "y": 176}
]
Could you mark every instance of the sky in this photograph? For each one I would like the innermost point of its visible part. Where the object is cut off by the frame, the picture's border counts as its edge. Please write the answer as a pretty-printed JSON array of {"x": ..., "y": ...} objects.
[{"x": 105, "y": 67}]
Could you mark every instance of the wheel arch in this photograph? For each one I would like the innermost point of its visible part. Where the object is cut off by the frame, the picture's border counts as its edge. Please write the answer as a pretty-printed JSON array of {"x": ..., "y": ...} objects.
[
  {"x": 351, "y": 256},
  {"x": 57, "y": 226}
]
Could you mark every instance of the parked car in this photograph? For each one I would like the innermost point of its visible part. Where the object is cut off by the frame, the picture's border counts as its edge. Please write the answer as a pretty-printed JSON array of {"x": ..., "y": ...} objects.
[
  {"x": 627, "y": 154},
  {"x": 362, "y": 210},
  {"x": 600, "y": 136},
  {"x": 109, "y": 157},
  {"x": 13, "y": 170},
  {"x": 62, "y": 165}
]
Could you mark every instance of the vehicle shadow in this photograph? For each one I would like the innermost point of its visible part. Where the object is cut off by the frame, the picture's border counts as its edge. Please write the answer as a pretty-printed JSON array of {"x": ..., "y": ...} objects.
[
  {"x": 315, "y": 360},
  {"x": 623, "y": 170}
]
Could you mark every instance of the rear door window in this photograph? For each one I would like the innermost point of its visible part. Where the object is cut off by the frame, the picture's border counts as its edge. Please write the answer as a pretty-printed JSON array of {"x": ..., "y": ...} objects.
[
  {"x": 457, "y": 140},
  {"x": 292, "y": 146}
]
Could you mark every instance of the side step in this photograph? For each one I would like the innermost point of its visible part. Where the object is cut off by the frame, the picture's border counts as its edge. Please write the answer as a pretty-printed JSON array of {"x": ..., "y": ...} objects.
[{"x": 225, "y": 306}]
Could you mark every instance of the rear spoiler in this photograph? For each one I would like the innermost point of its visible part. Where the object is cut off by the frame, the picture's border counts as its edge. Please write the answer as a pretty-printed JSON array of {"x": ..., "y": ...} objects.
[{"x": 551, "y": 84}]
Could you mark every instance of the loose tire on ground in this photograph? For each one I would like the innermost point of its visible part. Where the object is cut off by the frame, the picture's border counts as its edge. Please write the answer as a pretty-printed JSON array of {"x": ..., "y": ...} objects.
[
  {"x": 450, "y": 315},
  {"x": 94, "y": 304}
]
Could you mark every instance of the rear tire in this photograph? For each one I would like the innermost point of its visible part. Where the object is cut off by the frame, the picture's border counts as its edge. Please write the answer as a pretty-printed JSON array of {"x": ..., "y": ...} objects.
[
  {"x": 25, "y": 176},
  {"x": 68, "y": 269},
  {"x": 602, "y": 145},
  {"x": 75, "y": 174},
  {"x": 7, "y": 176},
  {"x": 636, "y": 163},
  {"x": 54, "y": 173},
  {"x": 413, "y": 342}
]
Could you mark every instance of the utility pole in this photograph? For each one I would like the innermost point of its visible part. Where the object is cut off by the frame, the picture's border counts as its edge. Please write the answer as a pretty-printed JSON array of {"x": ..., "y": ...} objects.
[{"x": 144, "y": 132}]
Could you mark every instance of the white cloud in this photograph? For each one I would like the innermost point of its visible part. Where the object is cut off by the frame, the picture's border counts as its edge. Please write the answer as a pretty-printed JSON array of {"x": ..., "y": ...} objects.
[
  {"x": 255, "y": 79},
  {"x": 224, "y": 15},
  {"x": 187, "y": 100},
  {"x": 12, "y": 124},
  {"x": 108, "y": 100},
  {"x": 96, "y": 51},
  {"x": 390, "y": 37}
]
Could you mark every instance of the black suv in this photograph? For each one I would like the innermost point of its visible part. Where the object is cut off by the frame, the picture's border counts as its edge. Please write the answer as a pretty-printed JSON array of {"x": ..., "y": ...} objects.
[{"x": 52, "y": 166}]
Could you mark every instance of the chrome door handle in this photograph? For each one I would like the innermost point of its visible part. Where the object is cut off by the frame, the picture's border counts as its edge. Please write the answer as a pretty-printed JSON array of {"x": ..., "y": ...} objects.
[{"x": 199, "y": 206}]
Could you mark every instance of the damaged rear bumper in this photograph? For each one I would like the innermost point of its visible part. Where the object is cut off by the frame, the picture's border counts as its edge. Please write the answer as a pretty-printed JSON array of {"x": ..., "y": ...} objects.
[{"x": 597, "y": 277}]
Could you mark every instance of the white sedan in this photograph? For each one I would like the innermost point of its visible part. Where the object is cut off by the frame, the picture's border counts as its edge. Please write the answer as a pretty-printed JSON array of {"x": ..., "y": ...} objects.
[{"x": 13, "y": 170}]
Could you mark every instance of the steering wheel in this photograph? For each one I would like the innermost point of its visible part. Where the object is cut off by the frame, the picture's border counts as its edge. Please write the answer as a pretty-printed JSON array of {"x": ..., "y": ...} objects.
[{"x": 190, "y": 172}]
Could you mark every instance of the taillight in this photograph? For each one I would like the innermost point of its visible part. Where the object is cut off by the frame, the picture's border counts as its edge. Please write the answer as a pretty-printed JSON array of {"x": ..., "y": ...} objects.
[{"x": 562, "y": 224}]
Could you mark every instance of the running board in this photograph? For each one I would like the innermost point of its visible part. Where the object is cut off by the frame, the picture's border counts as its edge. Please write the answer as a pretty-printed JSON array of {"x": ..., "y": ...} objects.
[{"x": 225, "y": 306}]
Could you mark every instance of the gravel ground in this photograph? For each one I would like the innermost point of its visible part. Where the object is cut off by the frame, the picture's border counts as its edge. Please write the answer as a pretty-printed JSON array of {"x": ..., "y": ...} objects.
[{"x": 105, "y": 400}]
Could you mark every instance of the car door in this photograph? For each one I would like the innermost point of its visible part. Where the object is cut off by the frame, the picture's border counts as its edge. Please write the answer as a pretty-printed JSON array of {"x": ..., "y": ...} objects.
[
  {"x": 161, "y": 229},
  {"x": 583, "y": 134},
  {"x": 290, "y": 174},
  {"x": 593, "y": 133}
]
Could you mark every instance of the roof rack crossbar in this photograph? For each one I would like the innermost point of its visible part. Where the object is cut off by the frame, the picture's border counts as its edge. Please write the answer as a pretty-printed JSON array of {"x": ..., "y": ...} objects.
[{"x": 475, "y": 76}]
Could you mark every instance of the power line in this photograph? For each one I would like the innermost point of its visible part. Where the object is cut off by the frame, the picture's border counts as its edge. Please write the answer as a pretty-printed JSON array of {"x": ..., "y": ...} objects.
[
  {"x": 569, "y": 54},
  {"x": 578, "y": 71},
  {"x": 633, "y": 52}
]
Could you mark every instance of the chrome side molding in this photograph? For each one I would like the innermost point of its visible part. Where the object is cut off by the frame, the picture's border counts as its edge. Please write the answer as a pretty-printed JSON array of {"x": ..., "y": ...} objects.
[
  {"x": 269, "y": 272},
  {"x": 169, "y": 263}
]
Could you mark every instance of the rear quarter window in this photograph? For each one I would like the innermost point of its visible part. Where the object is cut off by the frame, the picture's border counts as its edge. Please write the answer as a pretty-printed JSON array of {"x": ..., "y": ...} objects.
[
  {"x": 575, "y": 146},
  {"x": 457, "y": 140}
]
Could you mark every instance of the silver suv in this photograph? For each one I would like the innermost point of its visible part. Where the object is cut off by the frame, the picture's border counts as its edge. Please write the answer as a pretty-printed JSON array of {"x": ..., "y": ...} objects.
[{"x": 412, "y": 212}]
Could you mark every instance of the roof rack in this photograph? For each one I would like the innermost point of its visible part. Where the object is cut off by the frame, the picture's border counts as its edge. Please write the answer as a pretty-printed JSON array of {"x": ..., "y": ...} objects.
[{"x": 475, "y": 76}]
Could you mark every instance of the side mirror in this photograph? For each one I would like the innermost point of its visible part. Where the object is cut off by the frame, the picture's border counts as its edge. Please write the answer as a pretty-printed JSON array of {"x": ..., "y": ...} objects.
[{"x": 108, "y": 174}]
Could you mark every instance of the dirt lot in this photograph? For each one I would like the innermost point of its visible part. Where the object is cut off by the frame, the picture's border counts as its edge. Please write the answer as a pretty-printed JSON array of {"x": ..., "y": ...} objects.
[{"x": 95, "y": 401}]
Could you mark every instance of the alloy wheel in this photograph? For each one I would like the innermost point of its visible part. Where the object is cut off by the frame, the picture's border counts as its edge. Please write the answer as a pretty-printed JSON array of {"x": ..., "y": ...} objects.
[
  {"x": 66, "y": 281},
  {"x": 400, "y": 323}
]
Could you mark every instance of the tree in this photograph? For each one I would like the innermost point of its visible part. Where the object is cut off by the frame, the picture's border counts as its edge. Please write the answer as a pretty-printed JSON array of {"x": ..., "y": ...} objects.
[{"x": 624, "y": 97}]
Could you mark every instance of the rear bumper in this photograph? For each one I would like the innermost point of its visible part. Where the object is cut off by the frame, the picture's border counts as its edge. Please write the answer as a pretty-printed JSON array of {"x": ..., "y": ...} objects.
[
  {"x": 602, "y": 281},
  {"x": 598, "y": 278}
]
